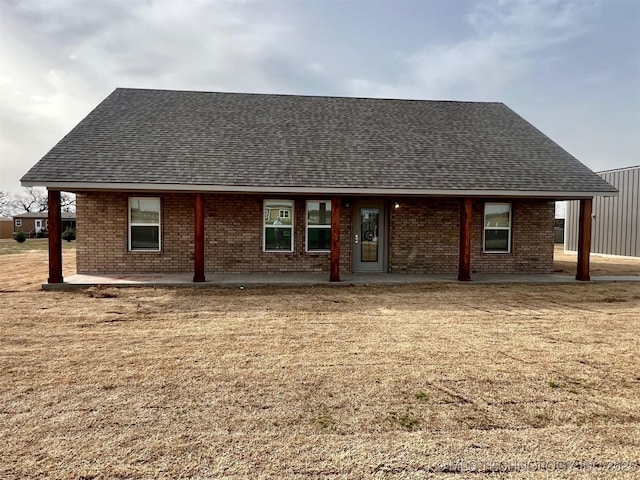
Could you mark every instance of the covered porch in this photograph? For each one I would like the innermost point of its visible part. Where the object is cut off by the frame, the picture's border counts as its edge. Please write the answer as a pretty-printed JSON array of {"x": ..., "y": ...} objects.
[{"x": 335, "y": 275}]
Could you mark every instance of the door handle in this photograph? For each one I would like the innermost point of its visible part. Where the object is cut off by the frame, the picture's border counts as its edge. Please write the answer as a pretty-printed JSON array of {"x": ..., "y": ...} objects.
[{"x": 357, "y": 239}]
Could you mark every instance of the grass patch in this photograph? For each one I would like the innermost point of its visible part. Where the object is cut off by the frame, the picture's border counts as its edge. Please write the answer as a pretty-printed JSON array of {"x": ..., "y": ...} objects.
[
  {"x": 11, "y": 247},
  {"x": 324, "y": 419},
  {"x": 423, "y": 397},
  {"x": 405, "y": 419},
  {"x": 613, "y": 299}
]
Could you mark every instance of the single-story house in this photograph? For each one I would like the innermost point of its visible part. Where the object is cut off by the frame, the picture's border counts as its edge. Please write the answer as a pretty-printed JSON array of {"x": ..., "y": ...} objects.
[
  {"x": 36, "y": 224},
  {"x": 616, "y": 220},
  {"x": 180, "y": 181},
  {"x": 6, "y": 227}
]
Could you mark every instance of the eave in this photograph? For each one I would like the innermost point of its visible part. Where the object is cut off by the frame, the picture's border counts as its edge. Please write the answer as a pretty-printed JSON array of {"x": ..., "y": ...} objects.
[{"x": 295, "y": 190}]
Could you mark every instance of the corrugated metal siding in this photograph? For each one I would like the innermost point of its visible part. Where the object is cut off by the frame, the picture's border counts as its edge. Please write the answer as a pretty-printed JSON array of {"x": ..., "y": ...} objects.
[
  {"x": 571, "y": 226},
  {"x": 616, "y": 220}
]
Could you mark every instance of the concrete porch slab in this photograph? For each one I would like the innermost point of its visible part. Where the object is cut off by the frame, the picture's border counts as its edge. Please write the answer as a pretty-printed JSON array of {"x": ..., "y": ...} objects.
[{"x": 309, "y": 279}]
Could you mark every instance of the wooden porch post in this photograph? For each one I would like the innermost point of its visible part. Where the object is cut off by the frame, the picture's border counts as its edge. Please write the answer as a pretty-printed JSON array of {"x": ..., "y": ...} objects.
[
  {"x": 198, "y": 239},
  {"x": 334, "y": 275},
  {"x": 464, "y": 266},
  {"x": 55, "y": 237},
  {"x": 584, "y": 240}
]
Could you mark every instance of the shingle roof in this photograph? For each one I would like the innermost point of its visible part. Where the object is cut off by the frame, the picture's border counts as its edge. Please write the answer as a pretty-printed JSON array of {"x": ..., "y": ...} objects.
[{"x": 192, "y": 140}]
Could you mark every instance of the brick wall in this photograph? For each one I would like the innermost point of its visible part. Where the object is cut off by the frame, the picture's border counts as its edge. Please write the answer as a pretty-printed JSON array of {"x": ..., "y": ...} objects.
[
  {"x": 531, "y": 240},
  {"x": 233, "y": 237},
  {"x": 102, "y": 235},
  {"x": 423, "y": 237}
]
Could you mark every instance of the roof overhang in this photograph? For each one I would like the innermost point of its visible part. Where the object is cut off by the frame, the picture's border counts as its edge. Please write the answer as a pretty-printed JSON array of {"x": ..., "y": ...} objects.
[{"x": 295, "y": 190}]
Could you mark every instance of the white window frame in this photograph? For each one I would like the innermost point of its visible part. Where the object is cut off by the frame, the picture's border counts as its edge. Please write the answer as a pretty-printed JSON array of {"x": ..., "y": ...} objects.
[
  {"x": 131, "y": 224},
  {"x": 18, "y": 222},
  {"x": 265, "y": 225},
  {"x": 307, "y": 226},
  {"x": 485, "y": 228}
]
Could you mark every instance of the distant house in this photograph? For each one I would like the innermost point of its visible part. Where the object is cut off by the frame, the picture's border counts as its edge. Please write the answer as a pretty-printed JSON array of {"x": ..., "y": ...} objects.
[
  {"x": 616, "y": 220},
  {"x": 176, "y": 181},
  {"x": 6, "y": 227},
  {"x": 36, "y": 224}
]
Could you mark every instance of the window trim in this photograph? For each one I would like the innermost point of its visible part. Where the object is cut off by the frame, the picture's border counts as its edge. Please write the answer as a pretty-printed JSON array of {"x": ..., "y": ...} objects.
[
  {"x": 291, "y": 227},
  {"x": 485, "y": 228},
  {"x": 307, "y": 226},
  {"x": 131, "y": 224},
  {"x": 18, "y": 222}
]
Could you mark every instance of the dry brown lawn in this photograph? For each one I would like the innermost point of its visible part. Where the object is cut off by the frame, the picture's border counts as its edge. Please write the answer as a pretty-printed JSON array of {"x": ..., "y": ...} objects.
[
  {"x": 565, "y": 264},
  {"x": 352, "y": 382}
]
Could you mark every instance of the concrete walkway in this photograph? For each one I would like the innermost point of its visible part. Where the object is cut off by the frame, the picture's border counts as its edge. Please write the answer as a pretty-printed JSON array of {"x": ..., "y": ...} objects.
[{"x": 299, "y": 279}]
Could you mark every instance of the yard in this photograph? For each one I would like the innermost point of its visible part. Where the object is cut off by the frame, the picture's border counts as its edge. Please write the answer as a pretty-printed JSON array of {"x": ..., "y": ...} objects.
[{"x": 352, "y": 382}]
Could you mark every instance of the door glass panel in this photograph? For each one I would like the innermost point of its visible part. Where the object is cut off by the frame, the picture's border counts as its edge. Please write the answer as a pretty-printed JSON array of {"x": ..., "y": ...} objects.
[{"x": 369, "y": 234}]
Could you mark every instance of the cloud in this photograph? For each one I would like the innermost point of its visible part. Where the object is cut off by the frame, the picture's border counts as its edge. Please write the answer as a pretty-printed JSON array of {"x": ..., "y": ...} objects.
[
  {"x": 167, "y": 44},
  {"x": 509, "y": 39},
  {"x": 40, "y": 98},
  {"x": 60, "y": 58}
]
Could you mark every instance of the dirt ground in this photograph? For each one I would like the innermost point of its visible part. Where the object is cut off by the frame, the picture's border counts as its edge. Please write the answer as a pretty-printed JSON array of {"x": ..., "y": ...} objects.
[{"x": 320, "y": 382}]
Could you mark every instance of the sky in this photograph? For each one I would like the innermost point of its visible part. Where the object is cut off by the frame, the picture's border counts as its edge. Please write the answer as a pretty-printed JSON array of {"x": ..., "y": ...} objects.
[{"x": 571, "y": 68}]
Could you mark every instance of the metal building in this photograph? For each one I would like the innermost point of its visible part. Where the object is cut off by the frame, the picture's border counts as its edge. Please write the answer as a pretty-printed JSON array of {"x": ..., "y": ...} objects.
[{"x": 615, "y": 220}]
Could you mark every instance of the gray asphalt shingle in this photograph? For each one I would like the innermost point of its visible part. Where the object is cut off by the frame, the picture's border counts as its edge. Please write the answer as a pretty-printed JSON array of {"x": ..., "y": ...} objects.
[{"x": 229, "y": 139}]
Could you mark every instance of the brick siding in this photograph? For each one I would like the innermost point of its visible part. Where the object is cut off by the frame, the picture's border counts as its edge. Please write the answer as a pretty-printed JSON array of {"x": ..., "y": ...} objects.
[
  {"x": 423, "y": 237},
  {"x": 531, "y": 240},
  {"x": 102, "y": 235},
  {"x": 233, "y": 237}
]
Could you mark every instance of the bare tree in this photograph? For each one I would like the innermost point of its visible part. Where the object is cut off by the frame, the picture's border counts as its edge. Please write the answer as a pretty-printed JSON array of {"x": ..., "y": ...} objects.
[
  {"x": 68, "y": 202},
  {"x": 6, "y": 208},
  {"x": 33, "y": 199}
]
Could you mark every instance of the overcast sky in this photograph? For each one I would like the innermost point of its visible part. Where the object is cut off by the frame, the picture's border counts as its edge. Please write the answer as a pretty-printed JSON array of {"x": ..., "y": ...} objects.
[{"x": 572, "y": 68}]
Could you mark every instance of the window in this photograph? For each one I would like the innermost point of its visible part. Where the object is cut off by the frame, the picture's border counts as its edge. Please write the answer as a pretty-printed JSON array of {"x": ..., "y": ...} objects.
[
  {"x": 318, "y": 226},
  {"x": 497, "y": 227},
  {"x": 144, "y": 224},
  {"x": 18, "y": 222},
  {"x": 278, "y": 226}
]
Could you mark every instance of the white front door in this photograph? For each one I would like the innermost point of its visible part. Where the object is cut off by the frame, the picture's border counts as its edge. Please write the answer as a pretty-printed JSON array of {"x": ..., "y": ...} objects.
[{"x": 38, "y": 226}]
